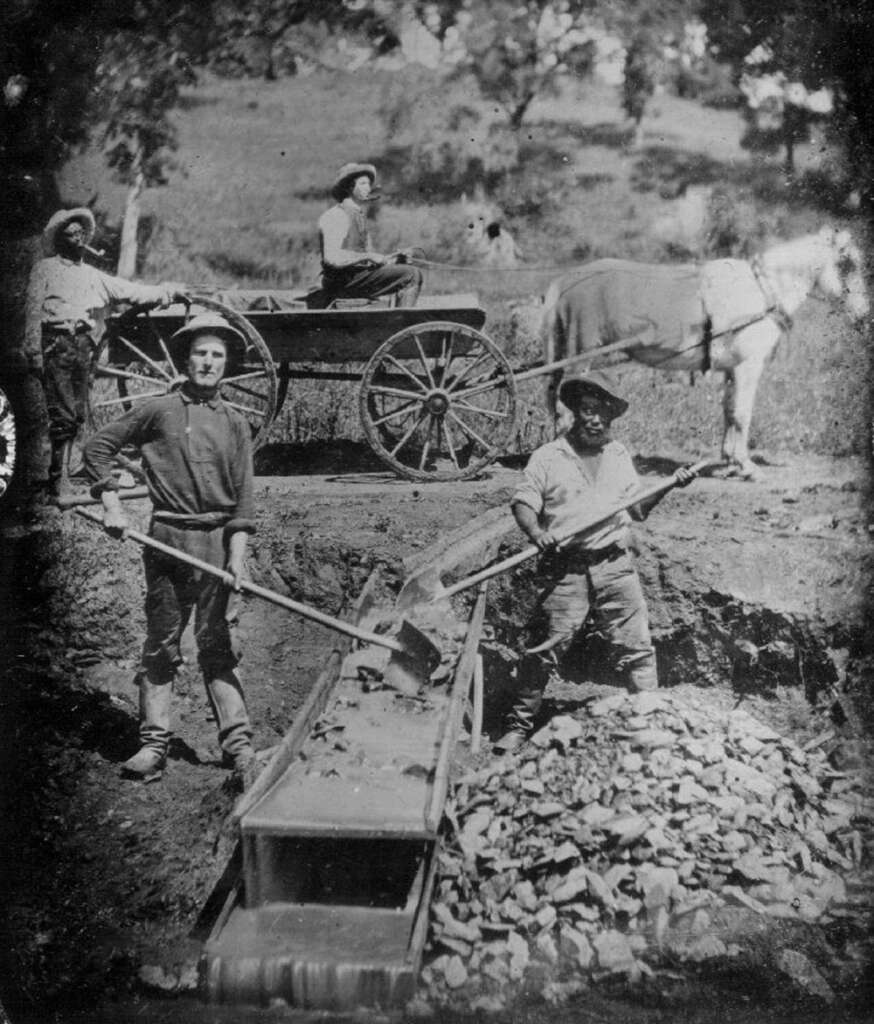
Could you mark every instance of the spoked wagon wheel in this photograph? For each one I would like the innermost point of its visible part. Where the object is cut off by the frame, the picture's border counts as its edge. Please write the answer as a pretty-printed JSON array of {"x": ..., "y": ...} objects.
[
  {"x": 8, "y": 443},
  {"x": 438, "y": 402},
  {"x": 133, "y": 364}
]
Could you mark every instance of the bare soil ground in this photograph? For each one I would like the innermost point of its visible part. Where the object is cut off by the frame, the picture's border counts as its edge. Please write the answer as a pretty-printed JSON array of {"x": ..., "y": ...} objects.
[{"x": 759, "y": 596}]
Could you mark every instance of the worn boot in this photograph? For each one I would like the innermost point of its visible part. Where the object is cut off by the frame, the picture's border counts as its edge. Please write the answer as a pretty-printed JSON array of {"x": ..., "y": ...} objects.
[
  {"x": 520, "y": 720},
  {"x": 235, "y": 732},
  {"x": 532, "y": 677},
  {"x": 642, "y": 675},
  {"x": 511, "y": 740},
  {"x": 59, "y": 468},
  {"x": 147, "y": 765}
]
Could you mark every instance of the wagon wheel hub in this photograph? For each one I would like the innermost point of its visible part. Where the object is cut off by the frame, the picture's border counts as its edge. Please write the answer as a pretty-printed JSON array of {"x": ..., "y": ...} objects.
[{"x": 437, "y": 403}]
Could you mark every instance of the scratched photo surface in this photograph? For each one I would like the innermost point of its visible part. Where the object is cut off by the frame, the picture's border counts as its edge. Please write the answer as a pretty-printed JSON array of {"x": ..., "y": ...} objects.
[{"x": 627, "y": 779}]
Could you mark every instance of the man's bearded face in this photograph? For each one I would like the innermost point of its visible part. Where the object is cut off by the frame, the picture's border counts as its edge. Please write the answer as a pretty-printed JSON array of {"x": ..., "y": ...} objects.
[
  {"x": 592, "y": 419},
  {"x": 70, "y": 241}
]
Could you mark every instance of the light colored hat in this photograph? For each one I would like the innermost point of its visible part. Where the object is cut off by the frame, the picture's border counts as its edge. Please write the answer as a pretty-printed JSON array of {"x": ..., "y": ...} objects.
[
  {"x": 347, "y": 172},
  {"x": 207, "y": 323},
  {"x": 595, "y": 382},
  {"x": 60, "y": 219}
]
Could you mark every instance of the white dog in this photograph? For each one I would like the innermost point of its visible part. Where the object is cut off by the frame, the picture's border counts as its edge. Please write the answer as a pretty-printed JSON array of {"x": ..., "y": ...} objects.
[
  {"x": 485, "y": 238},
  {"x": 684, "y": 227}
]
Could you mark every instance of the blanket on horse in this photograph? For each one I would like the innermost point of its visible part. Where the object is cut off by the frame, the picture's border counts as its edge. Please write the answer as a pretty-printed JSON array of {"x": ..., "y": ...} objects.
[{"x": 670, "y": 310}]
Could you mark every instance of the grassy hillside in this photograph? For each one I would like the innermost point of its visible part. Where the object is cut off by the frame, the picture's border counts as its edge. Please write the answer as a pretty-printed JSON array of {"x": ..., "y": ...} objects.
[{"x": 256, "y": 159}]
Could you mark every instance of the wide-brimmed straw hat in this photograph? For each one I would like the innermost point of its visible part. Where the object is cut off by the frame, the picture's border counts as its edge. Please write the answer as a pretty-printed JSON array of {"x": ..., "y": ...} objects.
[
  {"x": 348, "y": 172},
  {"x": 59, "y": 220},
  {"x": 207, "y": 323},
  {"x": 593, "y": 382}
]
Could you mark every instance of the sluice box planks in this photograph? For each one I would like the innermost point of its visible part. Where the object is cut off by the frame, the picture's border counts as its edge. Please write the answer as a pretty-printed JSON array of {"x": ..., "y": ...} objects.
[{"x": 339, "y": 841}]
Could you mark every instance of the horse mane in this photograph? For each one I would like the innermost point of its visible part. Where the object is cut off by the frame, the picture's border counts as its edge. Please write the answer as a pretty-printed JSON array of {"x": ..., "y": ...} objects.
[{"x": 797, "y": 254}]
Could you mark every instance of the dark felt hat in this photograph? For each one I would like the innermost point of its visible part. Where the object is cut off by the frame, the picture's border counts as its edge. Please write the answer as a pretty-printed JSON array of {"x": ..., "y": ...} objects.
[
  {"x": 60, "y": 219},
  {"x": 347, "y": 173},
  {"x": 593, "y": 382},
  {"x": 207, "y": 323}
]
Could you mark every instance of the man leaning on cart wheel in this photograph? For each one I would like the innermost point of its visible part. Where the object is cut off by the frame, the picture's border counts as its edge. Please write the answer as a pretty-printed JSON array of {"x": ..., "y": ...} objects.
[
  {"x": 351, "y": 268},
  {"x": 66, "y": 301},
  {"x": 197, "y": 457}
]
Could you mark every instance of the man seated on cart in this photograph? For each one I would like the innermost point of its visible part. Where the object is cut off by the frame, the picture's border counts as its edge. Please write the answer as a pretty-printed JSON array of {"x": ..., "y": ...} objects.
[{"x": 351, "y": 268}]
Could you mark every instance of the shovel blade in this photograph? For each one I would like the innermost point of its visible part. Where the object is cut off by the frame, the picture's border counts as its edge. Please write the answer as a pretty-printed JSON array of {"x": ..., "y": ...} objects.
[
  {"x": 410, "y": 668},
  {"x": 422, "y": 588}
]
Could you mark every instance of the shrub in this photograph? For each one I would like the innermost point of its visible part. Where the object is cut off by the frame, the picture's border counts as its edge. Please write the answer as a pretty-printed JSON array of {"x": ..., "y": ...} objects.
[
  {"x": 708, "y": 82},
  {"x": 441, "y": 149}
]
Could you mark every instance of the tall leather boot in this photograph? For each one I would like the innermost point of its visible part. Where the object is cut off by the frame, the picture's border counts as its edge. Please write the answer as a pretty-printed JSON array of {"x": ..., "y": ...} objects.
[
  {"x": 147, "y": 764},
  {"x": 642, "y": 674},
  {"x": 533, "y": 674},
  {"x": 235, "y": 732},
  {"x": 59, "y": 467}
]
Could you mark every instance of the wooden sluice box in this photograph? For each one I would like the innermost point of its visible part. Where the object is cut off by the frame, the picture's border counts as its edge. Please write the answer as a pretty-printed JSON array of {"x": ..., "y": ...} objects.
[{"x": 339, "y": 842}]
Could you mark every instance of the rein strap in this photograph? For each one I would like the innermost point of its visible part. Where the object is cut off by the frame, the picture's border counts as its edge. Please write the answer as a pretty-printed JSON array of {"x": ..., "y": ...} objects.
[{"x": 772, "y": 303}]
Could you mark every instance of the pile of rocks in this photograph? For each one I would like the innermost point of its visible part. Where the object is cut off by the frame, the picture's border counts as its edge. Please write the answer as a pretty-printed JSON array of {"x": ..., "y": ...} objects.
[{"x": 610, "y": 842}]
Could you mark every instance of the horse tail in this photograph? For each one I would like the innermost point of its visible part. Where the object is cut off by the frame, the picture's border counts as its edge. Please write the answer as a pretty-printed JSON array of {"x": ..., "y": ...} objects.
[
  {"x": 552, "y": 341},
  {"x": 549, "y": 321}
]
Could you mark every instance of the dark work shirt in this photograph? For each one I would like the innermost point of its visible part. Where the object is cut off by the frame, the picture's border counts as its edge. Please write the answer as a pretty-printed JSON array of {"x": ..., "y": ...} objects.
[{"x": 197, "y": 458}]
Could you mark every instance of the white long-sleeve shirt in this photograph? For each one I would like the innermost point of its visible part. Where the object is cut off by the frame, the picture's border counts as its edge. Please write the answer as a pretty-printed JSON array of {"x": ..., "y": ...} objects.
[
  {"x": 66, "y": 291},
  {"x": 343, "y": 236}
]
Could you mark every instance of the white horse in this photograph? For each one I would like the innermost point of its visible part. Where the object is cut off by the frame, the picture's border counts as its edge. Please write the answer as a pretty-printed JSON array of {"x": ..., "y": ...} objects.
[
  {"x": 485, "y": 237},
  {"x": 725, "y": 315}
]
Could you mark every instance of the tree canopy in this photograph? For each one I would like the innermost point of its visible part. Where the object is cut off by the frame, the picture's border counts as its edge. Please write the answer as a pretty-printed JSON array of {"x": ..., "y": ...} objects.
[
  {"x": 810, "y": 42},
  {"x": 119, "y": 64}
]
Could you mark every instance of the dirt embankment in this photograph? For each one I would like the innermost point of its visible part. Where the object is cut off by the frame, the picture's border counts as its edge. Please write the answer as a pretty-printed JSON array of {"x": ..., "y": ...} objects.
[{"x": 758, "y": 593}]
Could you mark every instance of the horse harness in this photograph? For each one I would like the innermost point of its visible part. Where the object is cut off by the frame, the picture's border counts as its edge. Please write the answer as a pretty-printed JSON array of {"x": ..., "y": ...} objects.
[{"x": 772, "y": 309}]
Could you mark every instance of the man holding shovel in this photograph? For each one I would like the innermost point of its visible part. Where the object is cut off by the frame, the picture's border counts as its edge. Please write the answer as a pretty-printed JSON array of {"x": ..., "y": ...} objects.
[
  {"x": 197, "y": 458},
  {"x": 578, "y": 473}
]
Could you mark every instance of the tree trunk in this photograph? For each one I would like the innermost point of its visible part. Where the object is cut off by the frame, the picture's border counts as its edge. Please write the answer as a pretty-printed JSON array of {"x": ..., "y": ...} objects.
[
  {"x": 519, "y": 111},
  {"x": 789, "y": 162},
  {"x": 127, "y": 257}
]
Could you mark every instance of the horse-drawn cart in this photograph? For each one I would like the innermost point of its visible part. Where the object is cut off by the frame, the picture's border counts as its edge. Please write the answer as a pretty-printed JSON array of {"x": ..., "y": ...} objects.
[{"x": 436, "y": 397}]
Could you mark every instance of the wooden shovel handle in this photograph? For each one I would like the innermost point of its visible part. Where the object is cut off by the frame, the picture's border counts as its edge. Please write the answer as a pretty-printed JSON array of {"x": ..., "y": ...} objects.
[
  {"x": 67, "y": 501},
  {"x": 305, "y": 611},
  {"x": 564, "y": 536}
]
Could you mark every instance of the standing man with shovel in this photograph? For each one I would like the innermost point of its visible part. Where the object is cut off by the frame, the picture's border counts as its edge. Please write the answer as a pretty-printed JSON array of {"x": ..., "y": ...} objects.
[
  {"x": 581, "y": 472},
  {"x": 197, "y": 458}
]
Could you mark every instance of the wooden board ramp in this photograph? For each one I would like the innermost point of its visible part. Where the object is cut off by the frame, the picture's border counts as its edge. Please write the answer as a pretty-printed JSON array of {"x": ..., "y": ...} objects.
[{"x": 339, "y": 838}]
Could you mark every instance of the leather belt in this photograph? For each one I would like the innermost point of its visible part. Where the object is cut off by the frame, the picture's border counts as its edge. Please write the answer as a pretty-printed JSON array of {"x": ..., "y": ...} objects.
[
  {"x": 203, "y": 521},
  {"x": 67, "y": 328},
  {"x": 579, "y": 560}
]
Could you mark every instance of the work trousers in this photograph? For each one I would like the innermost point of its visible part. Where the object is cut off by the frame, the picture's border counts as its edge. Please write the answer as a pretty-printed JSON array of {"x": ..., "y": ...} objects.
[
  {"x": 375, "y": 282},
  {"x": 66, "y": 361},
  {"x": 609, "y": 592},
  {"x": 173, "y": 591}
]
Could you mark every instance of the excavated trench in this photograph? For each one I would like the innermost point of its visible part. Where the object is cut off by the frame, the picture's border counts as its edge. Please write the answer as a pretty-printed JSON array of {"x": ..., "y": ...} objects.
[
  {"x": 130, "y": 870},
  {"x": 703, "y": 637}
]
